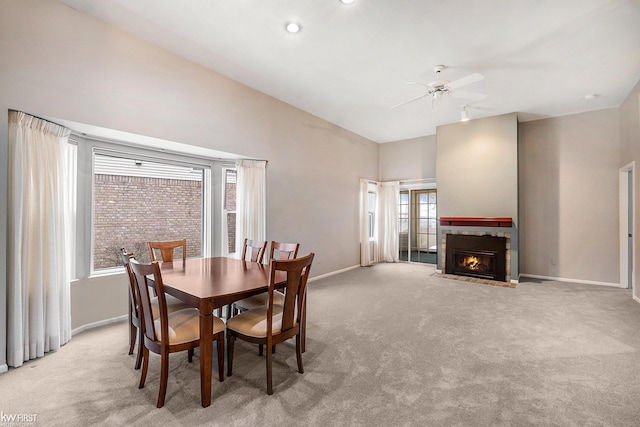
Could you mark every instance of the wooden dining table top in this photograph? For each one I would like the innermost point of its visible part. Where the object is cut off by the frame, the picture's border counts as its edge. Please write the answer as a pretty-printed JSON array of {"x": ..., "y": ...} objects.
[{"x": 210, "y": 283}]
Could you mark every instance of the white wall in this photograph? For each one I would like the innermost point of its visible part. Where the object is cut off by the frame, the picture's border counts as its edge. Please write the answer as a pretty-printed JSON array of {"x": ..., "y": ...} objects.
[
  {"x": 57, "y": 62},
  {"x": 569, "y": 197},
  {"x": 477, "y": 168},
  {"x": 408, "y": 159}
]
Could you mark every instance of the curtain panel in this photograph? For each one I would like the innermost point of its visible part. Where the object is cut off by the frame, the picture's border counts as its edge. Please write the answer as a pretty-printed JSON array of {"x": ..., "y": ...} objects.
[
  {"x": 251, "y": 201},
  {"x": 365, "y": 244},
  {"x": 384, "y": 245},
  {"x": 39, "y": 237},
  {"x": 387, "y": 209}
]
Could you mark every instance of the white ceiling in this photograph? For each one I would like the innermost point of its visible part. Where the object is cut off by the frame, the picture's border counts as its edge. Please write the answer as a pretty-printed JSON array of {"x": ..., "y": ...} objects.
[{"x": 350, "y": 63}]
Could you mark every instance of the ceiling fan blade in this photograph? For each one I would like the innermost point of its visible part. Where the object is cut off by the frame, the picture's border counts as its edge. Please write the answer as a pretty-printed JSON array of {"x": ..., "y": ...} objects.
[
  {"x": 410, "y": 100},
  {"x": 419, "y": 84},
  {"x": 472, "y": 78},
  {"x": 472, "y": 96}
]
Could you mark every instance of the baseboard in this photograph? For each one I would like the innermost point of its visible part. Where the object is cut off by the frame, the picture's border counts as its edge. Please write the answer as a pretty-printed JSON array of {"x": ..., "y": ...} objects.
[
  {"x": 4, "y": 368},
  {"x": 634, "y": 297},
  {"x": 98, "y": 324},
  {"x": 333, "y": 273},
  {"x": 563, "y": 279}
]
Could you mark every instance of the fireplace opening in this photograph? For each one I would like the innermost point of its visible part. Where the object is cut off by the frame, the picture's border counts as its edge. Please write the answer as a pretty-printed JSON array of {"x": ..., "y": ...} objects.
[
  {"x": 483, "y": 257},
  {"x": 474, "y": 263}
]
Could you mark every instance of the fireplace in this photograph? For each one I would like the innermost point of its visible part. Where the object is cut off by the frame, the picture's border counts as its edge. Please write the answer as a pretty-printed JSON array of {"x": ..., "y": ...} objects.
[{"x": 483, "y": 257}]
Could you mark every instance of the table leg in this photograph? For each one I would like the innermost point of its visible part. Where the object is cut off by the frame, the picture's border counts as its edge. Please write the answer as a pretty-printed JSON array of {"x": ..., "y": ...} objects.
[{"x": 206, "y": 356}]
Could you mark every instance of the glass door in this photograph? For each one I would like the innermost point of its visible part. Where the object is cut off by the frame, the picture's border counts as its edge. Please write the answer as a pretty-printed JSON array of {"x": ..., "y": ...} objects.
[
  {"x": 417, "y": 226},
  {"x": 403, "y": 226}
]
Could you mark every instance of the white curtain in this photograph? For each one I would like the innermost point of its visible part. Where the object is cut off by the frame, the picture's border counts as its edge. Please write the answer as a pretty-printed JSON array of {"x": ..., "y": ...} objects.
[
  {"x": 387, "y": 214},
  {"x": 365, "y": 244},
  {"x": 383, "y": 246},
  {"x": 251, "y": 202},
  {"x": 39, "y": 237}
]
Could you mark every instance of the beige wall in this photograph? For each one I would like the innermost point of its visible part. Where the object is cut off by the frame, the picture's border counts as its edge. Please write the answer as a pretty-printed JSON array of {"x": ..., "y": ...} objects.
[
  {"x": 630, "y": 128},
  {"x": 477, "y": 168},
  {"x": 99, "y": 299},
  {"x": 630, "y": 152},
  {"x": 57, "y": 62},
  {"x": 569, "y": 196},
  {"x": 408, "y": 159}
]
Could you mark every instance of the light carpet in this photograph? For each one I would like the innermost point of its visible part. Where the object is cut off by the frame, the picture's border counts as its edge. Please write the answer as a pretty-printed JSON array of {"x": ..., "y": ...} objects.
[{"x": 389, "y": 345}]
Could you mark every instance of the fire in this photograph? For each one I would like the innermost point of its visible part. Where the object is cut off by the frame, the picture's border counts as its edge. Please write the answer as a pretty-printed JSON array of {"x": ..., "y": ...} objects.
[{"x": 471, "y": 263}]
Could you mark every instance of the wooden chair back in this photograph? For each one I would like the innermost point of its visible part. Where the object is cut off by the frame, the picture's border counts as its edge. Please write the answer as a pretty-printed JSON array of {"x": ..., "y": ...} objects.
[
  {"x": 133, "y": 306},
  {"x": 256, "y": 249},
  {"x": 297, "y": 271},
  {"x": 167, "y": 249},
  {"x": 148, "y": 276},
  {"x": 285, "y": 250}
]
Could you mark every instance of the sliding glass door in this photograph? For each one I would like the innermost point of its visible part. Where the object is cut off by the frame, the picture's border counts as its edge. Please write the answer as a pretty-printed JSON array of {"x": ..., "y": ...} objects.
[{"x": 417, "y": 225}]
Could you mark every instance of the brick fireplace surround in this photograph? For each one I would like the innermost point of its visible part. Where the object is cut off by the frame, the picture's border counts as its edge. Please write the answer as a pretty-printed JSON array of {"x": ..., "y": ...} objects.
[{"x": 480, "y": 226}]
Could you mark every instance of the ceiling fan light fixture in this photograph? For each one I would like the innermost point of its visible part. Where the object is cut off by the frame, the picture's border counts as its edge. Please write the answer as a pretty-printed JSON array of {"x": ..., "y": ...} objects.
[{"x": 464, "y": 114}]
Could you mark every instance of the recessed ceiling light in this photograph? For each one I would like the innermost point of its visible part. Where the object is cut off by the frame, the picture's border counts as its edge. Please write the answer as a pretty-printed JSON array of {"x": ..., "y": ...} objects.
[
  {"x": 346, "y": 1},
  {"x": 591, "y": 96},
  {"x": 293, "y": 27}
]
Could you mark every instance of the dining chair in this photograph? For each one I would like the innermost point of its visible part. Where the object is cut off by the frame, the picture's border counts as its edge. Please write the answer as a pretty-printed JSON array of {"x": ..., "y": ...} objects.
[
  {"x": 283, "y": 251},
  {"x": 167, "y": 249},
  {"x": 269, "y": 326},
  {"x": 169, "y": 332},
  {"x": 256, "y": 249},
  {"x": 135, "y": 327}
]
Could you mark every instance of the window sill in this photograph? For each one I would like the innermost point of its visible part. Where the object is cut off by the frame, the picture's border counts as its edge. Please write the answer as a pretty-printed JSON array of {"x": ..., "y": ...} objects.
[{"x": 107, "y": 272}]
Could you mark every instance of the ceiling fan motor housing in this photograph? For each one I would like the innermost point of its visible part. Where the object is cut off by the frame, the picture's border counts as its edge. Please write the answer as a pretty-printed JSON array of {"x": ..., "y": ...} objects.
[{"x": 438, "y": 83}]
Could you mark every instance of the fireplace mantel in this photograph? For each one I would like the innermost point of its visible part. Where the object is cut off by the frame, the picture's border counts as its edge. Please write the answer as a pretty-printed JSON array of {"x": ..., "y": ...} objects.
[{"x": 484, "y": 221}]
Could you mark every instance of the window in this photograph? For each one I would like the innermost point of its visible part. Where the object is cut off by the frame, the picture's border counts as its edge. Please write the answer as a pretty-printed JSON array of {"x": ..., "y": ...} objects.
[
  {"x": 132, "y": 197},
  {"x": 372, "y": 214},
  {"x": 129, "y": 195},
  {"x": 230, "y": 176},
  {"x": 403, "y": 224},
  {"x": 425, "y": 220}
]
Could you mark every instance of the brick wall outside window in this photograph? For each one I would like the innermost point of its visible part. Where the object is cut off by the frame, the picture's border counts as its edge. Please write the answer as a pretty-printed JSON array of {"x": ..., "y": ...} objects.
[
  {"x": 230, "y": 203},
  {"x": 130, "y": 211}
]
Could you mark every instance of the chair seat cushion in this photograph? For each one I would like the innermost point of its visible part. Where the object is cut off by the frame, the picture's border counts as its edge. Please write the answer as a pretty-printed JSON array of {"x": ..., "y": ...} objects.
[
  {"x": 173, "y": 304},
  {"x": 253, "y": 322},
  {"x": 184, "y": 326},
  {"x": 260, "y": 300}
]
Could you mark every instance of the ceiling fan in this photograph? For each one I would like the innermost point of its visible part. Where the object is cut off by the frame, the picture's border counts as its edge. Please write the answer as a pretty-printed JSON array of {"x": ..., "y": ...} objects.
[{"x": 439, "y": 87}]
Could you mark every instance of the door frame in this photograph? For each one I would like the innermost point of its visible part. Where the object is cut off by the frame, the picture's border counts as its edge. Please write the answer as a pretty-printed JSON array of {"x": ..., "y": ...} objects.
[
  {"x": 627, "y": 224},
  {"x": 411, "y": 186}
]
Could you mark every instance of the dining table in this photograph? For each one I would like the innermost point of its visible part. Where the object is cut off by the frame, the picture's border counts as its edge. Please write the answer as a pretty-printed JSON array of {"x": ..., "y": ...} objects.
[{"x": 208, "y": 284}]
